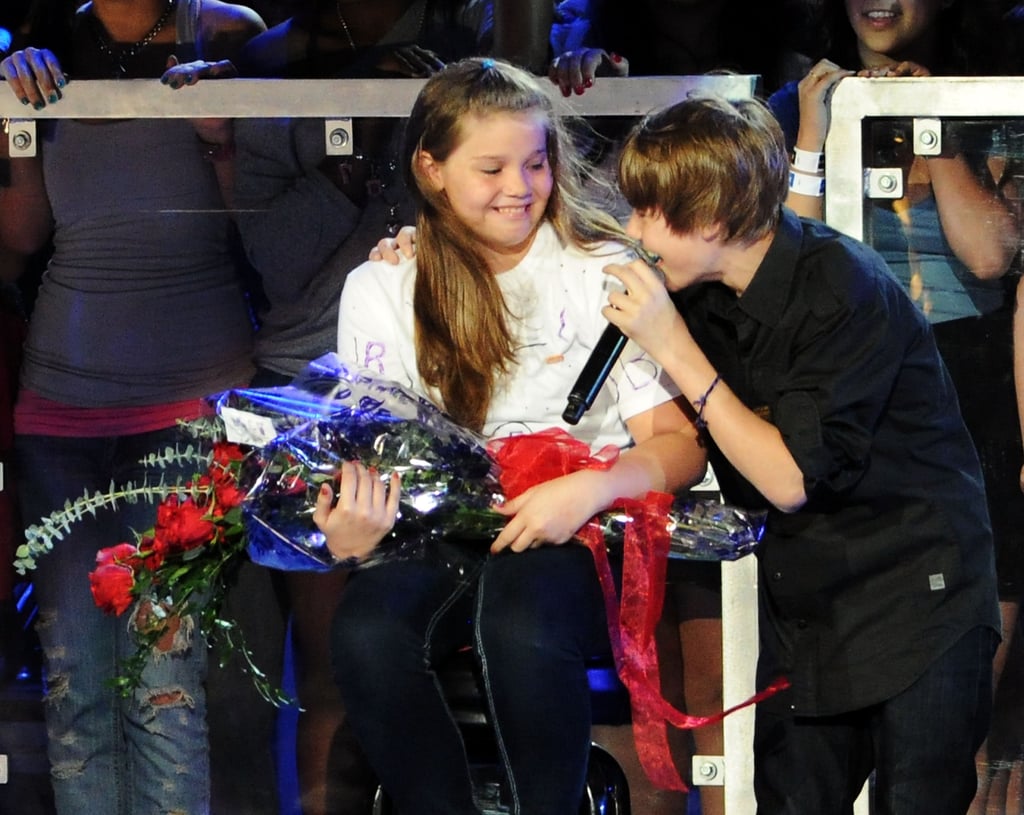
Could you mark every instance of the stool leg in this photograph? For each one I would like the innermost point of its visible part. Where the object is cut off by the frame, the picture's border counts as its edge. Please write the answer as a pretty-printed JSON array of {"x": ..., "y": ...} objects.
[
  {"x": 607, "y": 790},
  {"x": 382, "y": 804}
]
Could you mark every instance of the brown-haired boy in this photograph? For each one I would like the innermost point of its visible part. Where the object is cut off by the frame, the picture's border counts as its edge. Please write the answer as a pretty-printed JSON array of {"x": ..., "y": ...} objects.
[{"x": 823, "y": 398}]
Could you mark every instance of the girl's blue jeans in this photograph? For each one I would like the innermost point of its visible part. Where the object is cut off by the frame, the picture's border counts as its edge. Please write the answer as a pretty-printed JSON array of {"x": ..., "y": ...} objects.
[{"x": 532, "y": 618}]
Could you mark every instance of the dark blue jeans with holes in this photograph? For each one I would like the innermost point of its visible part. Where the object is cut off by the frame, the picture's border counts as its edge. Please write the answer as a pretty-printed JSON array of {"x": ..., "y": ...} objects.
[{"x": 148, "y": 754}]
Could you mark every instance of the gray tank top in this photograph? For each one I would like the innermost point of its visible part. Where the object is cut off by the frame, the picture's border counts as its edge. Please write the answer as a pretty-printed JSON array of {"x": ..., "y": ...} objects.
[{"x": 141, "y": 302}]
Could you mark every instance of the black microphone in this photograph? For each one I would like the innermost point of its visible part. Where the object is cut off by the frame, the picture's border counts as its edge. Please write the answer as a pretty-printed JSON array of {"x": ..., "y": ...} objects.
[{"x": 594, "y": 373}]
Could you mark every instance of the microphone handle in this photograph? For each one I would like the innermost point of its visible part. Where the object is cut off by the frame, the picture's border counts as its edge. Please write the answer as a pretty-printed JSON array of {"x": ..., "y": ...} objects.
[{"x": 594, "y": 374}]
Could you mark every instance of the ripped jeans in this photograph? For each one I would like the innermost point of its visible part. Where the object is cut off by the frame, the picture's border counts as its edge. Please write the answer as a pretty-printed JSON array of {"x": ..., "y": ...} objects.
[{"x": 146, "y": 755}]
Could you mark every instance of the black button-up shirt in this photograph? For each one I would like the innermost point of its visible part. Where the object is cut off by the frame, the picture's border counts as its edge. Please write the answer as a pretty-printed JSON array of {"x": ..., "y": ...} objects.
[{"x": 891, "y": 558}]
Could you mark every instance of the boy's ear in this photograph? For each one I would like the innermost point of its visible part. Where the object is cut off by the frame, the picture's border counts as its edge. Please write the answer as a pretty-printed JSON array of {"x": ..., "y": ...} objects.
[
  {"x": 711, "y": 232},
  {"x": 430, "y": 170}
]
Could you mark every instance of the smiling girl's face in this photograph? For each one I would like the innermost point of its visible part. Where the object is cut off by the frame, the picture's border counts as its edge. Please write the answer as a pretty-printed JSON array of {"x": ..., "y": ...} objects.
[
  {"x": 497, "y": 181},
  {"x": 892, "y": 30}
]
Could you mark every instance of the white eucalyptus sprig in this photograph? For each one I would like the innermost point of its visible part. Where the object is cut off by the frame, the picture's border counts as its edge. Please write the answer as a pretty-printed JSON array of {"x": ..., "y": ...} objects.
[{"x": 40, "y": 537}]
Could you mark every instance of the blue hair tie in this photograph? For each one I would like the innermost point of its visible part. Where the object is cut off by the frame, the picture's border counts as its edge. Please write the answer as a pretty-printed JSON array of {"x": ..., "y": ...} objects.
[{"x": 487, "y": 64}]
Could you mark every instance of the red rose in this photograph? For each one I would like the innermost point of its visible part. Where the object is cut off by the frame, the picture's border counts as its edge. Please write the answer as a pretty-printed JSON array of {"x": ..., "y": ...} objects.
[
  {"x": 111, "y": 584},
  {"x": 226, "y": 492},
  {"x": 125, "y": 554},
  {"x": 225, "y": 454},
  {"x": 180, "y": 526},
  {"x": 223, "y": 475}
]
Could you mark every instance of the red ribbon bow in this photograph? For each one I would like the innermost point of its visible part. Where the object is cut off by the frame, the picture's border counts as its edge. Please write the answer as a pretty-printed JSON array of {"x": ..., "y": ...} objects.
[{"x": 534, "y": 458}]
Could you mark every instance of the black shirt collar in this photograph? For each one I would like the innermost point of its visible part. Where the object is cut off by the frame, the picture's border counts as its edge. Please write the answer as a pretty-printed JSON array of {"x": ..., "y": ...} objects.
[{"x": 768, "y": 293}]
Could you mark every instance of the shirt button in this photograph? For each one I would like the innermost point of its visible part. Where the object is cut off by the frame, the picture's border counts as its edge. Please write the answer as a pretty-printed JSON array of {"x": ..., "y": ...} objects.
[
  {"x": 776, "y": 576},
  {"x": 801, "y": 624}
]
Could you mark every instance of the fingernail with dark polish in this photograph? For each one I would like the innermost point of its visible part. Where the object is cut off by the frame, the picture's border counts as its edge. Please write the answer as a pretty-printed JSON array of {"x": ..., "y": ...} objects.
[{"x": 579, "y": 90}]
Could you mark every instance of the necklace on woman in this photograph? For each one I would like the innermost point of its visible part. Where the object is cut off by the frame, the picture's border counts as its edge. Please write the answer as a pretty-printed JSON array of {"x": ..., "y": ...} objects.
[
  {"x": 121, "y": 55},
  {"x": 348, "y": 33},
  {"x": 344, "y": 26}
]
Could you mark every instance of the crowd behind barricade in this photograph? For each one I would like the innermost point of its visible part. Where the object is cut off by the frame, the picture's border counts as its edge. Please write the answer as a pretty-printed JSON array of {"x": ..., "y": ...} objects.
[{"x": 145, "y": 265}]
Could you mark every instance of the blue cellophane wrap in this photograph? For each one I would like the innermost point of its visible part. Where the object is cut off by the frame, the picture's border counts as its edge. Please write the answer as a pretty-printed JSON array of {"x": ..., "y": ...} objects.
[
  {"x": 332, "y": 414},
  {"x": 301, "y": 433}
]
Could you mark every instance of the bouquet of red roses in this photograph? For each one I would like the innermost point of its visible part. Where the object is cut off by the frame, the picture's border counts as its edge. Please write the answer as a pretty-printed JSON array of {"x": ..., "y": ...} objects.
[{"x": 177, "y": 572}]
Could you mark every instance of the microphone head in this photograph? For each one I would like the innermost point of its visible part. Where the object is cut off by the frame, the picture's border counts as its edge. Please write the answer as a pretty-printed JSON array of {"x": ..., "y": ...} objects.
[{"x": 574, "y": 409}]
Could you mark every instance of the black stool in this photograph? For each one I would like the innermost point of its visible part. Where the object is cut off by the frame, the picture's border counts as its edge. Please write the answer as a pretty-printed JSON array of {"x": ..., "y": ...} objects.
[{"x": 606, "y": 791}]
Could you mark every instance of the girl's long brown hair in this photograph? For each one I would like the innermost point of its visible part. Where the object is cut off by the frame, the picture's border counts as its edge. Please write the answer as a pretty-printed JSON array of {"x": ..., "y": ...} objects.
[{"x": 464, "y": 341}]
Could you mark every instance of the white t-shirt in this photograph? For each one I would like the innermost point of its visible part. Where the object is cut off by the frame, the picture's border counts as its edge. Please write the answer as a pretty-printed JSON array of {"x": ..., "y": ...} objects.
[{"x": 557, "y": 294}]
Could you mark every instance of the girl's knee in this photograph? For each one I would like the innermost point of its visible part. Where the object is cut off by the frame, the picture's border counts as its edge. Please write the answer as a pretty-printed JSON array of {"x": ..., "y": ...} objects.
[{"x": 364, "y": 647}]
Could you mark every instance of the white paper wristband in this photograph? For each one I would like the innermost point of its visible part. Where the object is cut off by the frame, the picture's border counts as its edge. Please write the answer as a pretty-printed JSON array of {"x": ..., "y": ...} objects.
[
  {"x": 811, "y": 185},
  {"x": 807, "y": 161}
]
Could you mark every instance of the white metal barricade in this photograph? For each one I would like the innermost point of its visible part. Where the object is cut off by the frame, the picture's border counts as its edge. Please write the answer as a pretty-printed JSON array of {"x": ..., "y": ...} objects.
[
  {"x": 739, "y": 663},
  {"x": 335, "y": 100},
  {"x": 925, "y": 100}
]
